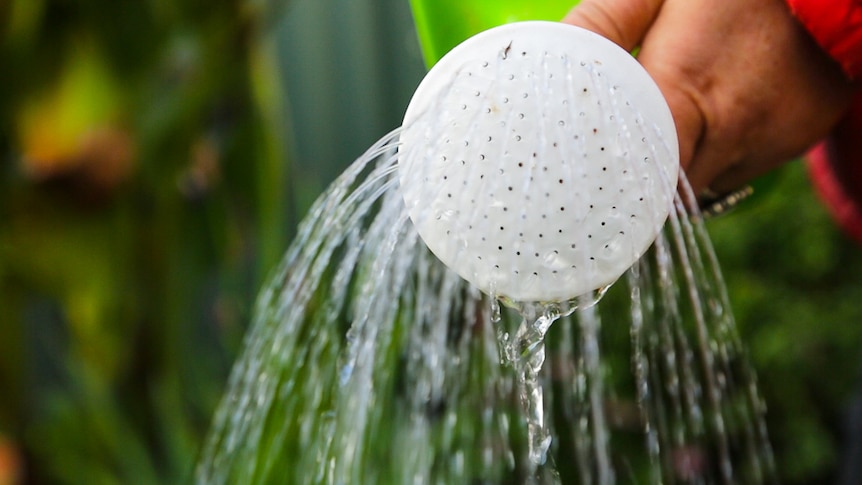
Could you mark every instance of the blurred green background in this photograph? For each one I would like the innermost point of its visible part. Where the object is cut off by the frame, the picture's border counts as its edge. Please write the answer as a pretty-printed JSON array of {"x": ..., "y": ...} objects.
[{"x": 156, "y": 157}]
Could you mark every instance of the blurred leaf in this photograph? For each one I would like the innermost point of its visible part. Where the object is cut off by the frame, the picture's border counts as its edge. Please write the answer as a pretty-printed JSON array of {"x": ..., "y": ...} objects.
[{"x": 54, "y": 126}]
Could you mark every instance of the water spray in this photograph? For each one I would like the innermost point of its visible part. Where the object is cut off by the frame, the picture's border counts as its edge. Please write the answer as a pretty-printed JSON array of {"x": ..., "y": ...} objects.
[{"x": 538, "y": 161}]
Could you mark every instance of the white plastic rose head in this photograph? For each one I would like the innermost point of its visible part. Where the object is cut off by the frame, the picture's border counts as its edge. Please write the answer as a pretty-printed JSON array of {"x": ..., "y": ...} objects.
[{"x": 538, "y": 160}]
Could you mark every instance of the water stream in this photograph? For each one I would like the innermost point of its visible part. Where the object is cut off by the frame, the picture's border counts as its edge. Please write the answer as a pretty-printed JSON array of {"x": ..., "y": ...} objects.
[{"x": 369, "y": 361}]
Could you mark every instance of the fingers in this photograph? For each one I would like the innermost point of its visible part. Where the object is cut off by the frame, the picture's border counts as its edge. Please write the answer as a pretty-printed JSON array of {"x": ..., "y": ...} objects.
[
  {"x": 685, "y": 100},
  {"x": 625, "y": 22},
  {"x": 680, "y": 54}
]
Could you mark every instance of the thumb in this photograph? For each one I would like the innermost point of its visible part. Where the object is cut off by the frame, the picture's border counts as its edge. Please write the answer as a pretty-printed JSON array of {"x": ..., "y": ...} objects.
[{"x": 624, "y": 22}]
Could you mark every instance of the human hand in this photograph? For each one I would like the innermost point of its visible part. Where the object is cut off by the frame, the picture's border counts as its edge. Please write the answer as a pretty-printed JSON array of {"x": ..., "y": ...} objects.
[{"x": 747, "y": 87}]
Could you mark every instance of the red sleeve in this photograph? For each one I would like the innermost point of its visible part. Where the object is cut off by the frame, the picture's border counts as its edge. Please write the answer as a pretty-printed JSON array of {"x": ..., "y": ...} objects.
[
  {"x": 837, "y": 26},
  {"x": 836, "y": 163}
]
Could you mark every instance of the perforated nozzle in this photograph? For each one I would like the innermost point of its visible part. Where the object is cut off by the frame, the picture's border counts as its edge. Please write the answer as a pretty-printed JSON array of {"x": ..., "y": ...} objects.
[{"x": 538, "y": 160}]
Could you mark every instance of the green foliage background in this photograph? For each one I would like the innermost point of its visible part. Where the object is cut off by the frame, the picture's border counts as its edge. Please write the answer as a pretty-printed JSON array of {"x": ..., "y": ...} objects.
[{"x": 175, "y": 146}]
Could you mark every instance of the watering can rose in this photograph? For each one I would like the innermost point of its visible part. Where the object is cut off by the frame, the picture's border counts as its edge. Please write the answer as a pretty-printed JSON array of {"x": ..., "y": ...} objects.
[{"x": 538, "y": 160}]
